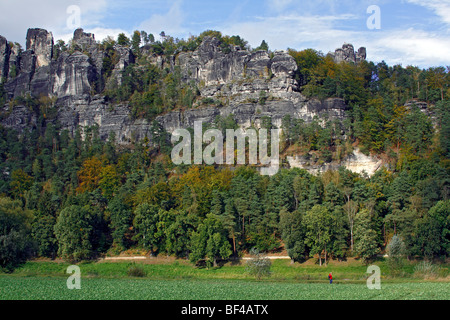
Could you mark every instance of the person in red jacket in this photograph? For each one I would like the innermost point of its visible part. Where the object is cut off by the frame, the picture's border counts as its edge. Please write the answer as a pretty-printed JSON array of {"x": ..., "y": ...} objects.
[{"x": 330, "y": 276}]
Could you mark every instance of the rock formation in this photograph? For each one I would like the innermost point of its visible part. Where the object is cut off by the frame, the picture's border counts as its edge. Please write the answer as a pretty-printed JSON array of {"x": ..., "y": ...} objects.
[
  {"x": 239, "y": 77},
  {"x": 347, "y": 54},
  {"x": 5, "y": 52},
  {"x": 355, "y": 162},
  {"x": 40, "y": 44}
]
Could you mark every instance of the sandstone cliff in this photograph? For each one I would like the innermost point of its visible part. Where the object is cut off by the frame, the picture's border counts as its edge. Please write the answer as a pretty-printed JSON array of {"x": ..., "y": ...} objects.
[
  {"x": 72, "y": 80},
  {"x": 348, "y": 54},
  {"x": 239, "y": 78}
]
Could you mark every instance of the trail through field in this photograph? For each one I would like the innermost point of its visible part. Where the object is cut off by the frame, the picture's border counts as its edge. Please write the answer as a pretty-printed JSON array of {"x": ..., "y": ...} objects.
[{"x": 145, "y": 258}]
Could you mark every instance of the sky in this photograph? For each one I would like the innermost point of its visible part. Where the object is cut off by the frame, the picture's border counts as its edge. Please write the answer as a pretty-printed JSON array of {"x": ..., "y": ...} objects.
[{"x": 406, "y": 32}]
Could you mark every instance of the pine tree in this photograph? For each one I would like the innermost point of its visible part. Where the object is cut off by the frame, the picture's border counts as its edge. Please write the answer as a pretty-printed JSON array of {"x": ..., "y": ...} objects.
[{"x": 366, "y": 238}]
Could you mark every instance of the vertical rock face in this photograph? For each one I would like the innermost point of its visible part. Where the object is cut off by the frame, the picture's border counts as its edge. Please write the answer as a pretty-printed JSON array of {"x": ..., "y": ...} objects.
[
  {"x": 83, "y": 39},
  {"x": 14, "y": 61},
  {"x": 361, "y": 54},
  {"x": 41, "y": 43},
  {"x": 126, "y": 57},
  {"x": 38, "y": 74},
  {"x": 356, "y": 162},
  {"x": 347, "y": 54},
  {"x": 5, "y": 52},
  {"x": 87, "y": 43},
  {"x": 71, "y": 74},
  {"x": 239, "y": 75},
  {"x": 253, "y": 84}
]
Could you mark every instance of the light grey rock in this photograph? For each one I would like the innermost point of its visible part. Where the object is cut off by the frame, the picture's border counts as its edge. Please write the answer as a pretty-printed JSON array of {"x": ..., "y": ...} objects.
[
  {"x": 70, "y": 75},
  {"x": 347, "y": 54},
  {"x": 84, "y": 40},
  {"x": 5, "y": 52},
  {"x": 40, "y": 42},
  {"x": 14, "y": 60},
  {"x": 126, "y": 57},
  {"x": 252, "y": 85}
]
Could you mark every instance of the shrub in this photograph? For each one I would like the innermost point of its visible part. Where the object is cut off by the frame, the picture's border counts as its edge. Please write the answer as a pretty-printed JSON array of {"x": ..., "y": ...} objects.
[
  {"x": 426, "y": 269},
  {"x": 136, "y": 271},
  {"x": 259, "y": 265},
  {"x": 396, "y": 252}
]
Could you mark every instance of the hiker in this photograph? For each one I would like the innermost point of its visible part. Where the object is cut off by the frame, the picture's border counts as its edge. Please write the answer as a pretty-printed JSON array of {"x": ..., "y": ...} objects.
[{"x": 330, "y": 276}]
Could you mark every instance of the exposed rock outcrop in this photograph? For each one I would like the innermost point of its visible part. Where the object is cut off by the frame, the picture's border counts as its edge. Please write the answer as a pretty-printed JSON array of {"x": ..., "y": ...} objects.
[
  {"x": 356, "y": 162},
  {"x": 348, "y": 54},
  {"x": 5, "y": 51},
  {"x": 252, "y": 85},
  {"x": 40, "y": 43},
  {"x": 240, "y": 75},
  {"x": 85, "y": 40}
]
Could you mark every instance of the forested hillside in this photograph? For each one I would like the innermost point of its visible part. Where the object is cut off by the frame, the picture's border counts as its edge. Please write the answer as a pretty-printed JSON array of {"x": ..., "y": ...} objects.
[{"x": 79, "y": 196}]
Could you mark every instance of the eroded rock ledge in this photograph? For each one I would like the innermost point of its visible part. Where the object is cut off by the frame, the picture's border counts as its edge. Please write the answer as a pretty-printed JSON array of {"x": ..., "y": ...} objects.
[{"x": 238, "y": 78}]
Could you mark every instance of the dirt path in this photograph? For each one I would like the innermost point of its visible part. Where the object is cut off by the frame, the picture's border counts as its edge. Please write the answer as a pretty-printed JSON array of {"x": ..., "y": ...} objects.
[{"x": 145, "y": 258}]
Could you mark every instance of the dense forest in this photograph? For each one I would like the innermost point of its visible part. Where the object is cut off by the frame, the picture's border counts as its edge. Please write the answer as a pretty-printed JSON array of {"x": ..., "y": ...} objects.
[{"x": 80, "y": 198}]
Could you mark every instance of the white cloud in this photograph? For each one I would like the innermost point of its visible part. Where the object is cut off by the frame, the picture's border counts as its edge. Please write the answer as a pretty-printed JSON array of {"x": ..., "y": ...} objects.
[
  {"x": 18, "y": 16},
  {"x": 440, "y": 7},
  {"x": 294, "y": 31},
  {"x": 278, "y": 5},
  {"x": 322, "y": 24},
  {"x": 171, "y": 22},
  {"x": 99, "y": 33},
  {"x": 411, "y": 47}
]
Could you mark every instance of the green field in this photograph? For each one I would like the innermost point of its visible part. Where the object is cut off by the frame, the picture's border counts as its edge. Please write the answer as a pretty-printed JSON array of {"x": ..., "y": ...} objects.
[
  {"x": 50, "y": 288},
  {"x": 182, "y": 281}
]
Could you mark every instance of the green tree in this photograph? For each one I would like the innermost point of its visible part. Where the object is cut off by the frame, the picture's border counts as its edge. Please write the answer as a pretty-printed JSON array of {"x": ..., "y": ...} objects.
[
  {"x": 75, "y": 230},
  {"x": 178, "y": 235},
  {"x": 123, "y": 40},
  {"x": 15, "y": 241},
  {"x": 263, "y": 46},
  {"x": 433, "y": 231},
  {"x": 146, "y": 224},
  {"x": 121, "y": 216},
  {"x": 351, "y": 209},
  {"x": 306, "y": 60},
  {"x": 339, "y": 235},
  {"x": 443, "y": 115},
  {"x": 366, "y": 238},
  {"x": 42, "y": 231},
  {"x": 136, "y": 42},
  {"x": 109, "y": 181},
  {"x": 318, "y": 223},
  {"x": 20, "y": 183},
  {"x": 293, "y": 234},
  {"x": 210, "y": 242},
  {"x": 396, "y": 250}
]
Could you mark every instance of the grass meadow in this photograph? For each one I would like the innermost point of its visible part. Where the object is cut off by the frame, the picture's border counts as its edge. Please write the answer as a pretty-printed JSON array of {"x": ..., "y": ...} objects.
[{"x": 179, "y": 280}]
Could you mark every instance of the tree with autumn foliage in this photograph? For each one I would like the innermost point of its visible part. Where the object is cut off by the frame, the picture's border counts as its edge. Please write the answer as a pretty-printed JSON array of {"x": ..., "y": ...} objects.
[{"x": 90, "y": 174}]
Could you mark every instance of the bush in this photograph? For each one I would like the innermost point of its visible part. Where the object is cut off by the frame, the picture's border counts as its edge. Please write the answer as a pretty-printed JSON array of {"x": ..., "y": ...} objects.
[
  {"x": 426, "y": 269},
  {"x": 136, "y": 271},
  {"x": 396, "y": 251},
  {"x": 259, "y": 265}
]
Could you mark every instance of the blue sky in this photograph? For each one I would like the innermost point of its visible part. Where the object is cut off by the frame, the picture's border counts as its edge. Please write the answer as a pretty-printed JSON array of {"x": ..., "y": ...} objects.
[{"x": 413, "y": 32}]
